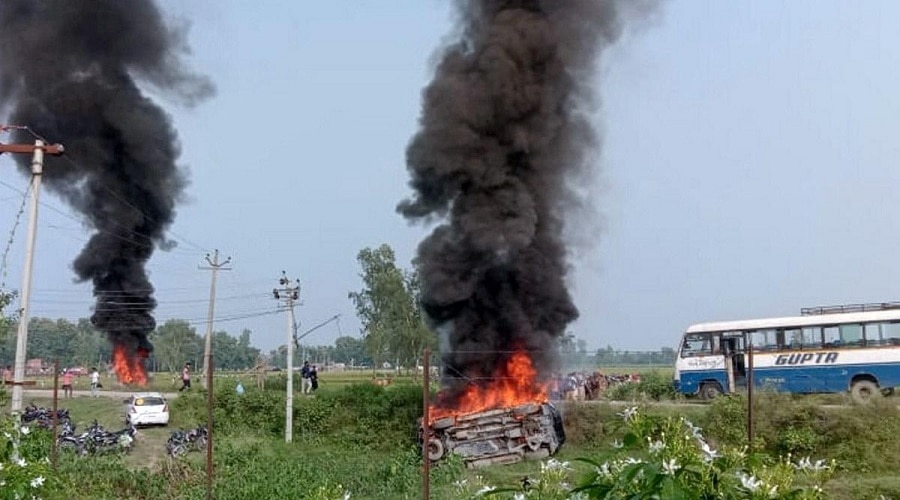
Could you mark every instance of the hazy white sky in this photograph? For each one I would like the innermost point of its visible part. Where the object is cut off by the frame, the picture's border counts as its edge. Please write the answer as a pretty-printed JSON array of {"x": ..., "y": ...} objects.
[{"x": 748, "y": 167}]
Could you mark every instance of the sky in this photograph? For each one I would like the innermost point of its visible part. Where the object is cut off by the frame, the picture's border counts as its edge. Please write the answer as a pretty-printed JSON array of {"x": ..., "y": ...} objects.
[{"x": 748, "y": 166}]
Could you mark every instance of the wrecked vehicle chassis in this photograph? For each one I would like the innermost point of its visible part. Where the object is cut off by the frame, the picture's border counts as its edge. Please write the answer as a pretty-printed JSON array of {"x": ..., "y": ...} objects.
[{"x": 497, "y": 436}]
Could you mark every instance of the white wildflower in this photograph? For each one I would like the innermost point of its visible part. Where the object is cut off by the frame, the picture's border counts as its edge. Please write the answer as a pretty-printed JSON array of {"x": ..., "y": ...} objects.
[
  {"x": 749, "y": 483},
  {"x": 670, "y": 466},
  {"x": 25, "y": 430},
  {"x": 695, "y": 431},
  {"x": 460, "y": 483},
  {"x": 7, "y": 435},
  {"x": 21, "y": 462},
  {"x": 709, "y": 454},
  {"x": 632, "y": 460},
  {"x": 519, "y": 496},
  {"x": 39, "y": 481},
  {"x": 603, "y": 470},
  {"x": 628, "y": 413},
  {"x": 806, "y": 464},
  {"x": 617, "y": 444},
  {"x": 773, "y": 492},
  {"x": 657, "y": 446},
  {"x": 554, "y": 465},
  {"x": 485, "y": 489}
]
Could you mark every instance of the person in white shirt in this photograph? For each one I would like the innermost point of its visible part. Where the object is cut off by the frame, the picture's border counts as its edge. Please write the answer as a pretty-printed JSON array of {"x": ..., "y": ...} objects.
[{"x": 95, "y": 381}]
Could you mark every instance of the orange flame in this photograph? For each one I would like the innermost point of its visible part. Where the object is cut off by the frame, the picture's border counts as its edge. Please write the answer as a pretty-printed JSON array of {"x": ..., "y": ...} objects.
[
  {"x": 513, "y": 385},
  {"x": 129, "y": 370}
]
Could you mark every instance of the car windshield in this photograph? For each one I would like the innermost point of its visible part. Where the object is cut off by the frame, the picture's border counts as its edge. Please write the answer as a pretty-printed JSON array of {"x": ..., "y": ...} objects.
[{"x": 149, "y": 401}]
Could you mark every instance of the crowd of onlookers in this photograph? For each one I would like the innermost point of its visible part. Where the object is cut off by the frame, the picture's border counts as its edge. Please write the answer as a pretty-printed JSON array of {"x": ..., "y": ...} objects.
[{"x": 583, "y": 386}]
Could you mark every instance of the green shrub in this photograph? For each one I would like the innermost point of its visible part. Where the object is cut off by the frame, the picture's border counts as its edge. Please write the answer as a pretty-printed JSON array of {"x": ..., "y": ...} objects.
[
  {"x": 726, "y": 420},
  {"x": 585, "y": 424},
  {"x": 860, "y": 438},
  {"x": 656, "y": 385},
  {"x": 624, "y": 392},
  {"x": 348, "y": 415}
]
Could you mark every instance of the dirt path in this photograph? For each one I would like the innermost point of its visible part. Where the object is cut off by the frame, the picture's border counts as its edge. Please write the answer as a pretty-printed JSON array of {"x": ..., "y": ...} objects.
[{"x": 48, "y": 393}]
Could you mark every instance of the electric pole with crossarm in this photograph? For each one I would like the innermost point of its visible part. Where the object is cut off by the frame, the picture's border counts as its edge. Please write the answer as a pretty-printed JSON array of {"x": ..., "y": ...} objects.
[
  {"x": 290, "y": 295},
  {"x": 215, "y": 266},
  {"x": 37, "y": 150}
]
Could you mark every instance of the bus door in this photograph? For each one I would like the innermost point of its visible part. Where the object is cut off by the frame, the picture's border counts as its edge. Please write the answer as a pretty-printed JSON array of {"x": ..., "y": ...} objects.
[{"x": 735, "y": 362}]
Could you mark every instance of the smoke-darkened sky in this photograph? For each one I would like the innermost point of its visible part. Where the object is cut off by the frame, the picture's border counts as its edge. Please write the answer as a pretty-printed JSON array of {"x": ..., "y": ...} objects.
[
  {"x": 748, "y": 164},
  {"x": 504, "y": 142},
  {"x": 70, "y": 70}
]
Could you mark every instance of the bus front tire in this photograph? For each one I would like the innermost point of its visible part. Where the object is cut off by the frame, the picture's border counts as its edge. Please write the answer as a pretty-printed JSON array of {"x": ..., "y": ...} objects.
[
  {"x": 710, "y": 391},
  {"x": 864, "y": 391}
]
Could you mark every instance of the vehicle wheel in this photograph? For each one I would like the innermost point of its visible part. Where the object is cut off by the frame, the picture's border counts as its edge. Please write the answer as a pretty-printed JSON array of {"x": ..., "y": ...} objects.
[
  {"x": 435, "y": 449},
  {"x": 710, "y": 391},
  {"x": 179, "y": 450},
  {"x": 69, "y": 445},
  {"x": 864, "y": 391}
]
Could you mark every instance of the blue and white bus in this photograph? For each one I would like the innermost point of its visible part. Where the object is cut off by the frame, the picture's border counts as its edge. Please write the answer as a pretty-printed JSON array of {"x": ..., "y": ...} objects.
[{"x": 834, "y": 349}]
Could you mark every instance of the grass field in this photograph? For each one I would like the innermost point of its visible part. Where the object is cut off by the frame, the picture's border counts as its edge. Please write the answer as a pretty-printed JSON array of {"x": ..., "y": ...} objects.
[
  {"x": 357, "y": 438},
  {"x": 170, "y": 382}
]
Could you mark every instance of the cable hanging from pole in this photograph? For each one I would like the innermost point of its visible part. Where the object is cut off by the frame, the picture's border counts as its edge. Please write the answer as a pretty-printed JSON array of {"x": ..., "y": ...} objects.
[{"x": 4, "y": 265}]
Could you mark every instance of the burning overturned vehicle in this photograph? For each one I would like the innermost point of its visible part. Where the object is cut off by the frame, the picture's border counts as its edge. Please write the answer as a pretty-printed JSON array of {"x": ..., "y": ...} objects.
[{"x": 503, "y": 422}]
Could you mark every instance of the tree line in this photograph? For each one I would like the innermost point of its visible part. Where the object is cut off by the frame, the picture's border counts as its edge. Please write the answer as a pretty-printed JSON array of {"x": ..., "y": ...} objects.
[
  {"x": 393, "y": 333},
  {"x": 80, "y": 344}
]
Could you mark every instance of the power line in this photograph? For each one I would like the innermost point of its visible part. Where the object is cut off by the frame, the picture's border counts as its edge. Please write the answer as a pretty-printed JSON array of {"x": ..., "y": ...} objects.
[
  {"x": 150, "y": 242},
  {"x": 159, "y": 302},
  {"x": 4, "y": 265},
  {"x": 138, "y": 210}
]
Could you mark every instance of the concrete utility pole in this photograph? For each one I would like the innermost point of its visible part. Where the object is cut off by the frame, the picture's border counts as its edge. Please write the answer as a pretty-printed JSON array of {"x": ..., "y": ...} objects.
[
  {"x": 289, "y": 294},
  {"x": 37, "y": 169},
  {"x": 215, "y": 266}
]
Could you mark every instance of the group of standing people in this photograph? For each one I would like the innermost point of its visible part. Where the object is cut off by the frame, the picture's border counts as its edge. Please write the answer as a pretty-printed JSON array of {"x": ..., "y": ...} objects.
[
  {"x": 68, "y": 379},
  {"x": 310, "y": 377}
]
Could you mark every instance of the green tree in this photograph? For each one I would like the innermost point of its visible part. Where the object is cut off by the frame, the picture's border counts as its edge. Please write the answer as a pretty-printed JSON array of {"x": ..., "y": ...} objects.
[
  {"x": 350, "y": 350},
  {"x": 387, "y": 307},
  {"x": 6, "y": 298},
  {"x": 176, "y": 342}
]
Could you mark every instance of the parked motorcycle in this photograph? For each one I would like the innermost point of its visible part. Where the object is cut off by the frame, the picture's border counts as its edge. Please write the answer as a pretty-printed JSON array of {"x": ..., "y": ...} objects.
[{"x": 181, "y": 442}]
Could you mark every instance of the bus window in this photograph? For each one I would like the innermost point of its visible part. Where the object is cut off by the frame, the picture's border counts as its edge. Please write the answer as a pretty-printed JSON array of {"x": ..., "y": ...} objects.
[
  {"x": 812, "y": 337},
  {"x": 890, "y": 333},
  {"x": 717, "y": 343},
  {"x": 851, "y": 335},
  {"x": 831, "y": 336},
  {"x": 764, "y": 340},
  {"x": 793, "y": 339},
  {"x": 873, "y": 333},
  {"x": 696, "y": 344}
]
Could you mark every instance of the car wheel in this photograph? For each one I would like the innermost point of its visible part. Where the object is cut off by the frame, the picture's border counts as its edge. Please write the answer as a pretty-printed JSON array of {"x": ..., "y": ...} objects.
[{"x": 435, "y": 449}]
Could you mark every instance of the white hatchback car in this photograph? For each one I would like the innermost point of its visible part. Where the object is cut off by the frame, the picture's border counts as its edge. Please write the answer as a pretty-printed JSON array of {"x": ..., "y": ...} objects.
[{"x": 147, "y": 408}]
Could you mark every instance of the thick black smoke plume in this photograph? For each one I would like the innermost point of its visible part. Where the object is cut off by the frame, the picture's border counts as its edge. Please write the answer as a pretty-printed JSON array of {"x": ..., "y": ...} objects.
[
  {"x": 504, "y": 137},
  {"x": 69, "y": 70}
]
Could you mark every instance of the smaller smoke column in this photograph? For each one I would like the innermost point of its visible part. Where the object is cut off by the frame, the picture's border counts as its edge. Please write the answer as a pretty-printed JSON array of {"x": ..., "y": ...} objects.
[
  {"x": 504, "y": 135},
  {"x": 69, "y": 69}
]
